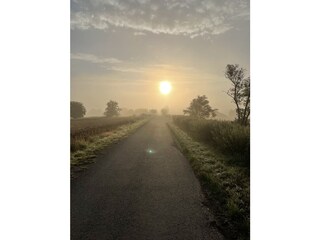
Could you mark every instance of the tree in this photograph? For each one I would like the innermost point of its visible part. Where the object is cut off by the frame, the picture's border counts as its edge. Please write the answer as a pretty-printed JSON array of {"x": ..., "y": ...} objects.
[
  {"x": 153, "y": 111},
  {"x": 200, "y": 108},
  {"x": 165, "y": 111},
  {"x": 112, "y": 109},
  {"x": 141, "y": 111},
  {"x": 239, "y": 91},
  {"x": 77, "y": 110},
  {"x": 127, "y": 112}
]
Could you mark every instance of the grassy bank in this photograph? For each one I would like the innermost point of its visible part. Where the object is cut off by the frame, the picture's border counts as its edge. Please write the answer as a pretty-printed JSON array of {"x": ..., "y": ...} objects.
[
  {"x": 87, "y": 141},
  {"x": 228, "y": 138},
  {"x": 227, "y": 186}
]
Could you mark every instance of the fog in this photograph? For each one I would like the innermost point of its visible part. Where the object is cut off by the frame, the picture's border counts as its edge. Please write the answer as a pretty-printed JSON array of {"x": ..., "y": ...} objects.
[{"x": 123, "y": 51}]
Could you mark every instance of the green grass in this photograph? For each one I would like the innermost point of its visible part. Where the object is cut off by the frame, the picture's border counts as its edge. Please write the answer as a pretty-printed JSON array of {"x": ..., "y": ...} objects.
[
  {"x": 86, "y": 148},
  {"x": 227, "y": 187}
]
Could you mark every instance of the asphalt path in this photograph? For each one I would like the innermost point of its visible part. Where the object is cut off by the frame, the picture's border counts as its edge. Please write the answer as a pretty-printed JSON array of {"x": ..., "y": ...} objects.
[{"x": 141, "y": 188}]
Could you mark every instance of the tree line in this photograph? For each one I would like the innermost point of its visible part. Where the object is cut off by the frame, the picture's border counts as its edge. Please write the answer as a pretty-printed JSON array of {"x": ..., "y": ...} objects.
[
  {"x": 199, "y": 107},
  {"x": 77, "y": 110}
]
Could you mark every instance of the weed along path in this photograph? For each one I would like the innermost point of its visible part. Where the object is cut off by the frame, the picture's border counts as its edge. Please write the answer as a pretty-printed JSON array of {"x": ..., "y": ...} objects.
[{"x": 141, "y": 188}]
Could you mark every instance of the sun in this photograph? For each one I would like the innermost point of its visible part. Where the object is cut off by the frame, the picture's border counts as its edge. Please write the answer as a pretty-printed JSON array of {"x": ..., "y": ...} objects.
[{"x": 165, "y": 87}]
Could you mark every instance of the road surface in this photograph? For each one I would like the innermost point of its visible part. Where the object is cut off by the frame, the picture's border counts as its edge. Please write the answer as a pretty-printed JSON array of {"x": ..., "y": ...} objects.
[{"x": 141, "y": 188}]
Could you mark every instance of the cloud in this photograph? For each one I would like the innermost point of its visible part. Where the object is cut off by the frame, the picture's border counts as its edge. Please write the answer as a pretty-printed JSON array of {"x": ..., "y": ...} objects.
[
  {"x": 136, "y": 68},
  {"x": 125, "y": 69},
  {"x": 113, "y": 64},
  {"x": 170, "y": 67},
  {"x": 190, "y": 18},
  {"x": 93, "y": 58}
]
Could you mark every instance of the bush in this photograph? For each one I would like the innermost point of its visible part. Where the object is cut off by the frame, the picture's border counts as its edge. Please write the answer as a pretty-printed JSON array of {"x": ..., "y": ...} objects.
[{"x": 229, "y": 138}]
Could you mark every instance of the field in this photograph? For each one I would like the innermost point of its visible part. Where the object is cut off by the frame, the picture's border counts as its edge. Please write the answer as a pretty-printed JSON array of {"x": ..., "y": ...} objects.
[
  {"x": 89, "y": 135},
  {"x": 83, "y": 129},
  {"x": 219, "y": 153}
]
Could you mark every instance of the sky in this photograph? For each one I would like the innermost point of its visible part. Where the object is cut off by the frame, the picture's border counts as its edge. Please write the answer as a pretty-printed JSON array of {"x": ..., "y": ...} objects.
[{"x": 122, "y": 50}]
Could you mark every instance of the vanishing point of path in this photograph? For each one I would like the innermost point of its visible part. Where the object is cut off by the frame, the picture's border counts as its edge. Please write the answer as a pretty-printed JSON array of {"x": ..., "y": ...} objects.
[{"x": 141, "y": 188}]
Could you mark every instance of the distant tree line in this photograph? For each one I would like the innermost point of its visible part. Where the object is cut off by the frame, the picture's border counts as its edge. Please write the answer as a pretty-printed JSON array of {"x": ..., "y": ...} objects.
[
  {"x": 77, "y": 110},
  {"x": 199, "y": 107}
]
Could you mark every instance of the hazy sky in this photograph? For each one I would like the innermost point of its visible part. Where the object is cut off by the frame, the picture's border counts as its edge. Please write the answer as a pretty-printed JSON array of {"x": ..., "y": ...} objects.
[{"x": 121, "y": 50}]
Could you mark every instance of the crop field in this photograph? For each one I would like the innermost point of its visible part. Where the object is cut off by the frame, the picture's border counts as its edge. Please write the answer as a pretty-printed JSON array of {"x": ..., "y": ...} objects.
[{"x": 83, "y": 129}]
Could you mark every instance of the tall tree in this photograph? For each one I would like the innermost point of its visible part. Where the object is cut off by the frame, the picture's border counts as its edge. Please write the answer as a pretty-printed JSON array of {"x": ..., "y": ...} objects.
[
  {"x": 239, "y": 91},
  {"x": 77, "y": 110},
  {"x": 112, "y": 109},
  {"x": 200, "y": 108}
]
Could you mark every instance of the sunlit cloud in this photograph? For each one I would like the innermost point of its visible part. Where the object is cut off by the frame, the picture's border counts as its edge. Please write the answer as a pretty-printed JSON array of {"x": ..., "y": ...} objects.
[
  {"x": 125, "y": 69},
  {"x": 135, "y": 68},
  {"x": 113, "y": 64},
  {"x": 171, "y": 67},
  {"x": 192, "y": 18}
]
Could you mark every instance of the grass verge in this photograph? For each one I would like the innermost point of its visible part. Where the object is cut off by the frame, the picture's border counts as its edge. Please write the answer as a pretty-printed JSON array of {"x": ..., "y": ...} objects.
[
  {"x": 229, "y": 138},
  {"x": 227, "y": 187},
  {"x": 91, "y": 146}
]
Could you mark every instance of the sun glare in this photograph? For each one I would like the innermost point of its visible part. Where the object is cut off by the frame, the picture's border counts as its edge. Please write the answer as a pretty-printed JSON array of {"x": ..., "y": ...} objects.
[{"x": 165, "y": 87}]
